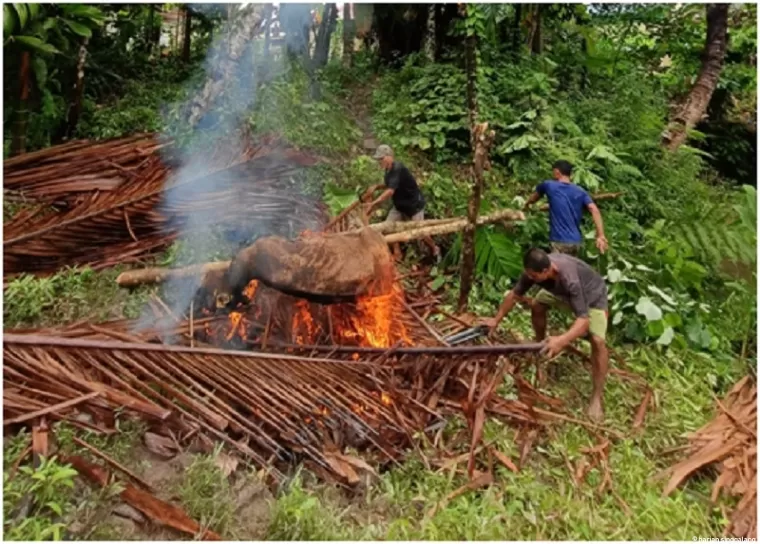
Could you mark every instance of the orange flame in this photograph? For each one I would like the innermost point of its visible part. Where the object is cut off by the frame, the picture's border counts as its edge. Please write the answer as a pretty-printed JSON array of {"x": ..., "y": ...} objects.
[
  {"x": 237, "y": 326},
  {"x": 250, "y": 291},
  {"x": 372, "y": 322},
  {"x": 304, "y": 330}
]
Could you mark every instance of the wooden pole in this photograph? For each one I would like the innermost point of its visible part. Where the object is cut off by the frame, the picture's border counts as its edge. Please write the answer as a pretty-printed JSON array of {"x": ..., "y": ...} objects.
[{"x": 133, "y": 278}]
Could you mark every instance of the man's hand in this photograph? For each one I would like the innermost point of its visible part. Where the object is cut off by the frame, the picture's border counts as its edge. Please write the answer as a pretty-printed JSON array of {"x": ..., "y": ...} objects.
[
  {"x": 601, "y": 243},
  {"x": 491, "y": 323},
  {"x": 552, "y": 346}
]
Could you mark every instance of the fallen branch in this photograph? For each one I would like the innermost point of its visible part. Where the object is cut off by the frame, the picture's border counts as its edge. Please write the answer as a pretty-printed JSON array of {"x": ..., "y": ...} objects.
[
  {"x": 96, "y": 452},
  {"x": 155, "y": 509}
]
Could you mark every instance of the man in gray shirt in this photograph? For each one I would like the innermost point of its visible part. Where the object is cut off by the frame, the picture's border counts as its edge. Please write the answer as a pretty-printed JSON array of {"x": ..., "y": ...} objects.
[{"x": 565, "y": 281}]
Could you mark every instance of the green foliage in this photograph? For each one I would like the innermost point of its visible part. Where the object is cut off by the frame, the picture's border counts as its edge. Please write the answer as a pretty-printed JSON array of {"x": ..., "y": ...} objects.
[
  {"x": 338, "y": 199},
  {"x": 72, "y": 294},
  {"x": 47, "y": 489},
  {"x": 284, "y": 107},
  {"x": 139, "y": 110},
  {"x": 205, "y": 493}
]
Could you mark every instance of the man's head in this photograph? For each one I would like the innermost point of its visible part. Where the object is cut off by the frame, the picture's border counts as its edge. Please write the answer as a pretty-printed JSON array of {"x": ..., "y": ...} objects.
[
  {"x": 562, "y": 170},
  {"x": 537, "y": 265},
  {"x": 384, "y": 155}
]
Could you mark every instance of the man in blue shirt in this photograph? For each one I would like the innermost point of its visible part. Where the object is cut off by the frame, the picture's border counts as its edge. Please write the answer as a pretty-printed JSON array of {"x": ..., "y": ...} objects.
[{"x": 566, "y": 204}]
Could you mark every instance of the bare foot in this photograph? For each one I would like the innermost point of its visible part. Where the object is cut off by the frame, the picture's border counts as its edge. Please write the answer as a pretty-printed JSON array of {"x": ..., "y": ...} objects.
[{"x": 595, "y": 411}]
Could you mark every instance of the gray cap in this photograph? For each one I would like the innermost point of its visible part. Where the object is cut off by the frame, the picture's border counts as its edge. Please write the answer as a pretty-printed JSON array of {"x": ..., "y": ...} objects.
[{"x": 383, "y": 151}]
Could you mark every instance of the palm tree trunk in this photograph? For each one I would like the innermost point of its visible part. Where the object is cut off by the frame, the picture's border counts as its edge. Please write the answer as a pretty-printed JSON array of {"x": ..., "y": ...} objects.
[
  {"x": 18, "y": 142},
  {"x": 695, "y": 106}
]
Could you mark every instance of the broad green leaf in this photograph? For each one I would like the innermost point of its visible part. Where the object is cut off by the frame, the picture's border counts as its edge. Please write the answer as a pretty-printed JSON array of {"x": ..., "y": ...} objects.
[
  {"x": 617, "y": 318},
  {"x": 83, "y": 11},
  {"x": 614, "y": 275},
  {"x": 666, "y": 337},
  {"x": 37, "y": 44},
  {"x": 604, "y": 153},
  {"x": 664, "y": 296},
  {"x": 78, "y": 28},
  {"x": 34, "y": 11},
  {"x": 338, "y": 199},
  {"x": 423, "y": 143},
  {"x": 55, "y": 507},
  {"x": 50, "y": 23},
  {"x": 23, "y": 15},
  {"x": 439, "y": 140},
  {"x": 10, "y": 21},
  {"x": 648, "y": 309}
]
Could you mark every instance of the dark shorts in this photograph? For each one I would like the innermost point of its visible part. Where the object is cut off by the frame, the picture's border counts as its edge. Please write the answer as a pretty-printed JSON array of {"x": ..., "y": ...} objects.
[{"x": 567, "y": 249}]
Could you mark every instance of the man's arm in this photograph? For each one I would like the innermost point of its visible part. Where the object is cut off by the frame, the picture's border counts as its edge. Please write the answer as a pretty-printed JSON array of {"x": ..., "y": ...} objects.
[
  {"x": 601, "y": 240},
  {"x": 532, "y": 199},
  {"x": 382, "y": 198},
  {"x": 579, "y": 305}
]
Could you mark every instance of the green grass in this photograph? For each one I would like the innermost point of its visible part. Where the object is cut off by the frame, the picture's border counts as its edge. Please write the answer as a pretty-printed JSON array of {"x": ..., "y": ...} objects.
[
  {"x": 205, "y": 493},
  {"x": 539, "y": 502},
  {"x": 69, "y": 296}
]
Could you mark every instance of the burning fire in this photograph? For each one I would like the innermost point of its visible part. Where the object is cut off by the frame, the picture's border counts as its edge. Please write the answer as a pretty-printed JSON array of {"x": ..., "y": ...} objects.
[
  {"x": 250, "y": 291},
  {"x": 372, "y": 322},
  {"x": 304, "y": 330},
  {"x": 237, "y": 326}
]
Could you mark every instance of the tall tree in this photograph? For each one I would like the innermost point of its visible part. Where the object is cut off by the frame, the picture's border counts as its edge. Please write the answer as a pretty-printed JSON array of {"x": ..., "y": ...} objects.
[
  {"x": 326, "y": 29},
  {"x": 695, "y": 105},
  {"x": 187, "y": 33},
  {"x": 75, "y": 108},
  {"x": 481, "y": 140},
  {"x": 349, "y": 33},
  {"x": 224, "y": 76}
]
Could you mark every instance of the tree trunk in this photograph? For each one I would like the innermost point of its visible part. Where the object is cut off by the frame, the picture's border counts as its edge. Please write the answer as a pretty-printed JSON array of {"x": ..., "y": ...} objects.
[
  {"x": 149, "y": 29},
  {"x": 156, "y": 31},
  {"x": 696, "y": 103},
  {"x": 517, "y": 31},
  {"x": 18, "y": 143},
  {"x": 468, "y": 237},
  {"x": 536, "y": 41},
  {"x": 445, "y": 14},
  {"x": 326, "y": 29},
  {"x": 75, "y": 109},
  {"x": 349, "y": 33},
  {"x": 178, "y": 23},
  {"x": 224, "y": 75},
  {"x": 187, "y": 35}
]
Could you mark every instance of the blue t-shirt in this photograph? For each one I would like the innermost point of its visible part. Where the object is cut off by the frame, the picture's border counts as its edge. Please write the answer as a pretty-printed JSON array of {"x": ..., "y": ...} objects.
[{"x": 566, "y": 204}]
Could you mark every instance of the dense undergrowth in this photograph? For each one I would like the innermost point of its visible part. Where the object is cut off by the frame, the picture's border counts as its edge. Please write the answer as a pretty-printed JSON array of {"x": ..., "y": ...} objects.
[{"x": 681, "y": 273}]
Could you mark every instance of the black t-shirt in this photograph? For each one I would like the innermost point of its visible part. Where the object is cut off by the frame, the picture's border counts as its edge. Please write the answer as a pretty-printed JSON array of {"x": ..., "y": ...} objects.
[{"x": 407, "y": 197}]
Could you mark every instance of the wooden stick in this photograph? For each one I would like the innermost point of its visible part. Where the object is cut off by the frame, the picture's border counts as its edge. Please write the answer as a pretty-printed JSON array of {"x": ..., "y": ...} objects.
[
  {"x": 97, "y": 453},
  {"x": 51, "y": 409},
  {"x": 425, "y": 324}
]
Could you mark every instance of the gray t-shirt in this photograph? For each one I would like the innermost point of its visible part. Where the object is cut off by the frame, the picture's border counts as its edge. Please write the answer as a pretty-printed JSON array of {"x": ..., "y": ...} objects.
[{"x": 577, "y": 284}]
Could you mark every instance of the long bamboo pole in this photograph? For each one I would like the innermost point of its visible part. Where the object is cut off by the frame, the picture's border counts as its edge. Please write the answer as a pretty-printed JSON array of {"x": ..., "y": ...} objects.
[{"x": 417, "y": 230}]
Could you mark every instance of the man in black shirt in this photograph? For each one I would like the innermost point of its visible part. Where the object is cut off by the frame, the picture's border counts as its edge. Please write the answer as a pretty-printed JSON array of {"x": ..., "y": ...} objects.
[{"x": 408, "y": 200}]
